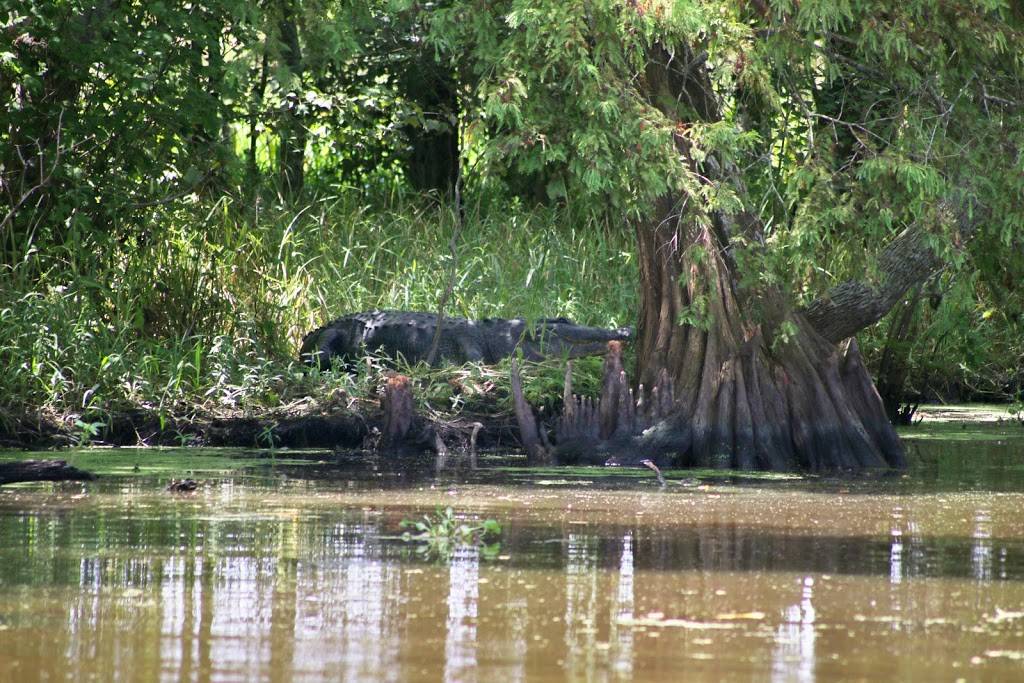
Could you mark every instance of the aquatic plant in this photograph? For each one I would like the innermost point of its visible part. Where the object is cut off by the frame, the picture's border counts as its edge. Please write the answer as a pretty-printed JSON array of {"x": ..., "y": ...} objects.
[
  {"x": 440, "y": 533},
  {"x": 87, "y": 431}
]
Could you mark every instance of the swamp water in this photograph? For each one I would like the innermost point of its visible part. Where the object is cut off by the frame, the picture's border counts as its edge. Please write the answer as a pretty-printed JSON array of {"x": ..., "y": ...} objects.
[{"x": 282, "y": 568}]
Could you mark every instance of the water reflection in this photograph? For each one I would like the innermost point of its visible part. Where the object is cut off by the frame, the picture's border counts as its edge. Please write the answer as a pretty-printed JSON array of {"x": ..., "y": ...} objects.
[
  {"x": 981, "y": 546},
  {"x": 793, "y": 658},
  {"x": 896, "y": 547},
  {"x": 463, "y": 593},
  {"x": 351, "y": 552},
  {"x": 896, "y": 557},
  {"x": 255, "y": 617},
  {"x": 369, "y": 638},
  {"x": 581, "y": 606},
  {"x": 622, "y": 612},
  {"x": 191, "y": 592},
  {"x": 182, "y": 617},
  {"x": 512, "y": 648}
]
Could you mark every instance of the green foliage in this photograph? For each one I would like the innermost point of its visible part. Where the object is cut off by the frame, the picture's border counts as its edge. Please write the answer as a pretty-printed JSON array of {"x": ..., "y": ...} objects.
[
  {"x": 967, "y": 343},
  {"x": 107, "y": 109},
  {"x": 888, "y": 113},
  {"x": 209, "y": 313},
  {"x": 441, "y": 533},
  {"x": 147, "y": 257},
  {"x": 696, "y": 313},
  {"x": 847, "y": 122},
  {"x": 560, "y": 93}
]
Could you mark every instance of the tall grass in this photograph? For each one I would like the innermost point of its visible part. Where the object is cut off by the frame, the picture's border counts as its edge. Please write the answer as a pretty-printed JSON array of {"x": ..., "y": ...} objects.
[{"x": 202, "y": 307}]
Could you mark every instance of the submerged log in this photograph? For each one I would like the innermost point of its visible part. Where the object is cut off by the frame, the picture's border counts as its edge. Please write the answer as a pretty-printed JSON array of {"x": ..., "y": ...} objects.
[{"x": 41, "y": 470}]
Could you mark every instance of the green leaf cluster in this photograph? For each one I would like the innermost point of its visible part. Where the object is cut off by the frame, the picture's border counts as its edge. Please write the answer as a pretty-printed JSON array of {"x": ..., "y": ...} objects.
[{"x": 441, "y": 533}]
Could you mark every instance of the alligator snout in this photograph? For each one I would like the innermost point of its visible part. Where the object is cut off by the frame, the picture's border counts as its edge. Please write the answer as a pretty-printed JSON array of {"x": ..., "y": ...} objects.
[{"x": 580, "y": 333}]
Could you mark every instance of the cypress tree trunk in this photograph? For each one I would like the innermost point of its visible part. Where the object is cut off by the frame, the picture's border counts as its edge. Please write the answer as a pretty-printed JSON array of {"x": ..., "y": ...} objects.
[
  {"x": 758, "y": 384},
  {"x": 747, "y": 395}
]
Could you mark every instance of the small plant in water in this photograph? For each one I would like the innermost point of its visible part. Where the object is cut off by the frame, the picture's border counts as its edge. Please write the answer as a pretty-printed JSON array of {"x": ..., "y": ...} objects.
[
  {"x": 266, "y": 437},
  {"x": 443, "y": 531},
  {"x": 87, "y": 431},
  {"x": 184, "y": 440}
]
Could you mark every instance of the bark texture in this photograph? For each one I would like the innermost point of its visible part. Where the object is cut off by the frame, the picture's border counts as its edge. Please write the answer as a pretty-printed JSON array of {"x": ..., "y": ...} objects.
[
  {"x": 756, "y": 384},
  {"x": 780, "y": 399},
  {"x": 399, "y": 411},
  {"x": 853, "y": 305}
]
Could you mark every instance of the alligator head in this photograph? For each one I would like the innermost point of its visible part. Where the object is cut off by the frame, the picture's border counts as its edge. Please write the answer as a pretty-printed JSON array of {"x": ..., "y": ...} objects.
[{"x": 562, "y": 337}]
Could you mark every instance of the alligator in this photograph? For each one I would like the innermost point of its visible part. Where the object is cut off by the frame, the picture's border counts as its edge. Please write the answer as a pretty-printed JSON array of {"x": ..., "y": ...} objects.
[{"x": 410, "y": 334}]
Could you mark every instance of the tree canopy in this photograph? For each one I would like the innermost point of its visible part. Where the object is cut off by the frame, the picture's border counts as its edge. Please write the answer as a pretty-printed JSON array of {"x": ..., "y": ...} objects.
[{"x": 847, "y": 121}]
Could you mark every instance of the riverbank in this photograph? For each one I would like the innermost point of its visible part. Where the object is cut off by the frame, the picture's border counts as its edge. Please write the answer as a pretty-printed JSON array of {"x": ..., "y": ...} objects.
[
  {"x": 323, "y": 410},
  {"x": 344, "y": 422},
  {"x": 192, "y": 335},
  {"x": 970, "y": 413}
]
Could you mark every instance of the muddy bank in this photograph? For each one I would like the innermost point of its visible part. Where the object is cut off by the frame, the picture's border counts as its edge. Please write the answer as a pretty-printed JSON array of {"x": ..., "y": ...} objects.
[
  {"x": 277, "y": 428},
  {"x": 310, "y": 426}
]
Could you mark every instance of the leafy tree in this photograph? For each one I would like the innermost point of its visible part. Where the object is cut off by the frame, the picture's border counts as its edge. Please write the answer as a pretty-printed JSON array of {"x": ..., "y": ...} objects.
[
  {"x": 109, "y": 110},
  {"x": 750, "y": 144}
]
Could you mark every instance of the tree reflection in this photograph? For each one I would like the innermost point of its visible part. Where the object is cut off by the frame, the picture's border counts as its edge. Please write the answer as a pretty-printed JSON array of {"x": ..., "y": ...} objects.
[
  {"x": 981, "y": 546},
  {"x": 622, "y": 610},
  {"x": 580, "y": 606},
  {"x": 463, "y": 594},
  {"x": 794, "y": 656}
]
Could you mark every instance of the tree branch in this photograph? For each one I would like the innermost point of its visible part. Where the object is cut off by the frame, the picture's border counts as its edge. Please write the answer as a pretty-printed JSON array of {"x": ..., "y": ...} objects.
[{"x": 908, "y": 261}]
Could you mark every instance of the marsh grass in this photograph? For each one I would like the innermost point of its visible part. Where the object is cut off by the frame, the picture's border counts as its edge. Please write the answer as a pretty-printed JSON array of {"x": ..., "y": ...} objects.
[{"x": 200, "y": 308}]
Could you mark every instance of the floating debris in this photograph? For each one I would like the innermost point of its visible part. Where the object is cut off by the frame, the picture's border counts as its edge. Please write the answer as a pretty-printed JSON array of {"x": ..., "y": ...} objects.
[{"x": 183, "y": 486}]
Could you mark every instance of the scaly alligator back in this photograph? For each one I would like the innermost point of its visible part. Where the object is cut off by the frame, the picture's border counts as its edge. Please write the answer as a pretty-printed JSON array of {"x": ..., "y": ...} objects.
[{"x": 410, "y": 334}]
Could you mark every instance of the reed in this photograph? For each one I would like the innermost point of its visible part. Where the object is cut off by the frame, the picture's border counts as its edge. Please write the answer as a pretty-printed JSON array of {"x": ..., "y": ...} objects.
[{"x": 202, "y": 307}]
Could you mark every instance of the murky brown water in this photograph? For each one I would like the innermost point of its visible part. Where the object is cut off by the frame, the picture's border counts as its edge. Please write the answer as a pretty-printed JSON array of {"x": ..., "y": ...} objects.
[{"x": 903, "y": 578}]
